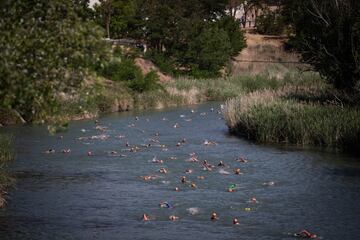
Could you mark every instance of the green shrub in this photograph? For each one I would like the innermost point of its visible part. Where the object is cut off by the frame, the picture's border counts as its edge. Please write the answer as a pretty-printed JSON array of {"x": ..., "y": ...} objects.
[
  {"x": 147, "y": 83},
  {"x": 122, "y": 70},
  {"x": 163, "y": 62}
]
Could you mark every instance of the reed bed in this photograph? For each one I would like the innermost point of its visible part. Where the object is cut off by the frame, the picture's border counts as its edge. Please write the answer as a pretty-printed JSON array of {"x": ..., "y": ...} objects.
[{"x": 276, "y": 117}]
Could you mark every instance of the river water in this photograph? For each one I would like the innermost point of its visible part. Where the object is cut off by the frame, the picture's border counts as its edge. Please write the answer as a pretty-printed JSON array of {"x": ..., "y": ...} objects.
[{"x": 102, "y": 196}]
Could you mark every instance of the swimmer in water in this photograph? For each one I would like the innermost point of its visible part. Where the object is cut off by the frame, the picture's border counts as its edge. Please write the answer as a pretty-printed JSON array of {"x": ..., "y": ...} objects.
[
  {"x": 254, "y": 200},
  {"x": 193, "y": 185},
  {"x": 237, "y": 171},
  {"x": 241, "y": 159},
  {"x": 305, "y": 234},
  {"x": 221, "y": 164},
  {"x": 164, "y": 205},
  {"x": 149, "y": 177},
  {"x": 50, "y": 150},
  {"x": 163, "y": 170},
  {"x": 236, "y": 221},
  {"x": 207, "y": 166},
  {"x": 66, "y": 151},
  {"x": 209, "y": 143},
  {"x": 145, "y": 217},
  {"x": 173, "y": 218},
  {"x": 89, "y": 153},
  {"x": 176, "y": 189},
  {"x": 154, "y": 160},
  {"x": 192, "y": 159},
  {"x": 214, "y": 216},
  {"x": 271, "y": 183},
  {"x": 188, "y": 171},
  {"x": 183, "y": 179}
]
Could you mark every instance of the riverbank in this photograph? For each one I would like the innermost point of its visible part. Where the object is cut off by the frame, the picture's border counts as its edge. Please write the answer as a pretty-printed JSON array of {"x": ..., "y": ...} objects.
[
  {"x": 5, "y": 158},
  {"x": 308, "y": 115},
  {"x": 105, "y": 96}
]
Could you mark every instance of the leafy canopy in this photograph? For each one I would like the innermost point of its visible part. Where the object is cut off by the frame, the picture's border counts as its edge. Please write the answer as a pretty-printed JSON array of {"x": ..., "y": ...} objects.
[{"x": 45, "y": 49}]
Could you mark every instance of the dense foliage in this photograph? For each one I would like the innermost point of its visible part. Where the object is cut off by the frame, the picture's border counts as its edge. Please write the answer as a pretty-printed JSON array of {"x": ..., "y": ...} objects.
[
  {"x": 327, "y": 34},
  {"x": 45, "y": 50},
  {"x": 270, "y": 23},
  {"x": 197, "y": 42},
  {"x": 195, "y": 37},
  {"x": 122, "y": 68}
]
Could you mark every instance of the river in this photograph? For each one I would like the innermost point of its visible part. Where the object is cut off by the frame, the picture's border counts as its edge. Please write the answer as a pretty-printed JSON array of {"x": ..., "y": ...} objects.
[{"x": 102, "y": 196}]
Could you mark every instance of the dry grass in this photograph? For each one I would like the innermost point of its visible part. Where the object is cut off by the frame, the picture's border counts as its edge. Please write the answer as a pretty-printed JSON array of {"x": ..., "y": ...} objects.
[{"x": 269, "y": 50}]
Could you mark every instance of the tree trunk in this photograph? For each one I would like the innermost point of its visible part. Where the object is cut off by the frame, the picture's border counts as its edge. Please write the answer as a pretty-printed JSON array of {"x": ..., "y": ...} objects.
[{"x": 108, "y": 26}]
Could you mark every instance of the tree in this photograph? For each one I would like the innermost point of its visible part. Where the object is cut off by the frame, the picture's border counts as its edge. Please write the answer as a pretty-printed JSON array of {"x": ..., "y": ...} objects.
[
  {"x": 181, "y": 32},
  {"x": 327, "y": 34},
  {"x": 116, "y": 16},
  {"x": 45, "y": 49},
  {"x": 104, "y": 12},
  {"x": 208, "y": 51},
  {"x": 236, "y": 36}
]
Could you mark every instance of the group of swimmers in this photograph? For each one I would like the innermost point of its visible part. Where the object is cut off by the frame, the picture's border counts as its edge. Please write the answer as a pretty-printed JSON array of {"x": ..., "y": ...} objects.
[{"x": 184, "y": 180}]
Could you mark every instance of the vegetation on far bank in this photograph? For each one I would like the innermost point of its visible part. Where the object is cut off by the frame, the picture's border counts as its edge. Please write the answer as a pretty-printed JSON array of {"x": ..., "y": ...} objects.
[
  {"x": 5, "y": 157},
  {"x": 304, "y": 115},
  {"x": 56, "y": 66},
  {"x": 326, "y": 34}
]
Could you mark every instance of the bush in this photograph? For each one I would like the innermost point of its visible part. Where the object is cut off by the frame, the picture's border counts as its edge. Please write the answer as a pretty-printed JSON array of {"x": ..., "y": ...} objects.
[
  {"x": 122, "y": 70},
  {"x": 163, "y": 62},
  {"x": 147, "y": 83}
]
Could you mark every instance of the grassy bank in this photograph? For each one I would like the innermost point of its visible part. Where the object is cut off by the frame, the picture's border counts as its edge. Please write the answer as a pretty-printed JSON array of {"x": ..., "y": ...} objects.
[
  {"x": 221, "y": 89},
  {"x": 295, "y": 115},
  {"x": 5, "y": 158},
  {"x": 100, "y": 95}
]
